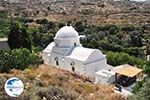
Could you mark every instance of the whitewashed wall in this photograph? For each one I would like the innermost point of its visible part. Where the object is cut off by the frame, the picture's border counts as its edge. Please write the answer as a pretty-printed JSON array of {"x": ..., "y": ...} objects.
[
  {"x": 92, "y": 68},
  {"x": 68, "y": 42},
  {"x": 4, "y": 46}
]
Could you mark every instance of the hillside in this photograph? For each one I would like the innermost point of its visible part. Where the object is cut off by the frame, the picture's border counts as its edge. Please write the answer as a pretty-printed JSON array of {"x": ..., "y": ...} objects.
[
  {"x": 92, "y": 12},
  {"x": 120, "y": 29},
  {"x": 49, "y": 83}
]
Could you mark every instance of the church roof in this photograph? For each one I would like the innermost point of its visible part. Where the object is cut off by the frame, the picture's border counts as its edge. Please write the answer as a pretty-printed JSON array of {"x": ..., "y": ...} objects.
[
  {"x": 66, "y": 32},
  {"x": 86, "y": 54},
  {"x": 49, "y": 47}
]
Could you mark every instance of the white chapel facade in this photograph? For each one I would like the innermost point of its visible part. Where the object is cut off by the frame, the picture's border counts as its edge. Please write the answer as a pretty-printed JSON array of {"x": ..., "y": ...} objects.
[{"x": 67, "y": 53}]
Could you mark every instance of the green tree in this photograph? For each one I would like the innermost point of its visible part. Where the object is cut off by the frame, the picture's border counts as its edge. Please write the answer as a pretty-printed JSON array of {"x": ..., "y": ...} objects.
[
  {"x": 79, "y": 26},
  {"x": 112, "y": 58},
  {"x": 4, "y": 24},
  {"x": 36, "y": 38},
  {"x": 136, "y": 39},
  {"x": 94, "y": 43},
  {"x": 135, "y": 51},
  {"x": 143, "y": 94},
  {"x": 5, "y": 61},
  {"x": 60, "y": 25},
  {"x": 51, "y": 25},
  {"x": 18, "y": 37},
  {"x": 18, "y": 59},
  {"x": 119, "y": 58},
  {"x": 22, "y": 58},
  {"x": 147, "y": 68},
  {"x": 40, "y": 39},
  {"x": 42, "y": 21},
  {"x": 113, "y": 30}
]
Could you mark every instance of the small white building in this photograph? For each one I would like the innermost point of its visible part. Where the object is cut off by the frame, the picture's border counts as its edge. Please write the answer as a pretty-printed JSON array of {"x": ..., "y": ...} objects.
[
  {"x": 3, "y": 44},
  {"x": 67, "y": 53},
  {"x": 105, "y": 77}
]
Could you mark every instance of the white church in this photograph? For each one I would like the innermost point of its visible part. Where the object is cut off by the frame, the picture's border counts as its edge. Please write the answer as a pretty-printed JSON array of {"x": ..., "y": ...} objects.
[{"x": 67, "y": 53}]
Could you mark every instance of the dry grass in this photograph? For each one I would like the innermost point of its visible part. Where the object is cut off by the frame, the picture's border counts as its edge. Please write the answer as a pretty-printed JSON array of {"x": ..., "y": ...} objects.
[{"x": 46, "y": 76}]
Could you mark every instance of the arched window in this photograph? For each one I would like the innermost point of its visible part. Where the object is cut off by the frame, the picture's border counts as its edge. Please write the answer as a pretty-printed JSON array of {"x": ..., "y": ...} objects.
[
  {"x": 72, "y": 64},
  {"x": 75, "y": 44},
  {"x": 73, "y": 69},
  {"x": 56, "y": 60}
]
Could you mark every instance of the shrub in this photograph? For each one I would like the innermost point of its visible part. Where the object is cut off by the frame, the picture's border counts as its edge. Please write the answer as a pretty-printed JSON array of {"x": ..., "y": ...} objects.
[
  {"x": 143, "y": 93},
  {"x": 18, "y": 37},
  {"x": 42, "y": 21},
  {"x": 119, "y": 58},
  {"x": 55, "y": 93},
  {"x": 79, "y": 26},
  {"x": 18, "y": 59}
]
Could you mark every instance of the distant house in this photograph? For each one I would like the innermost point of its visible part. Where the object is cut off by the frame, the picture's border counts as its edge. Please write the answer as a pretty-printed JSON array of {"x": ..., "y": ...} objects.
[{"x": 3, "y": 44}]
